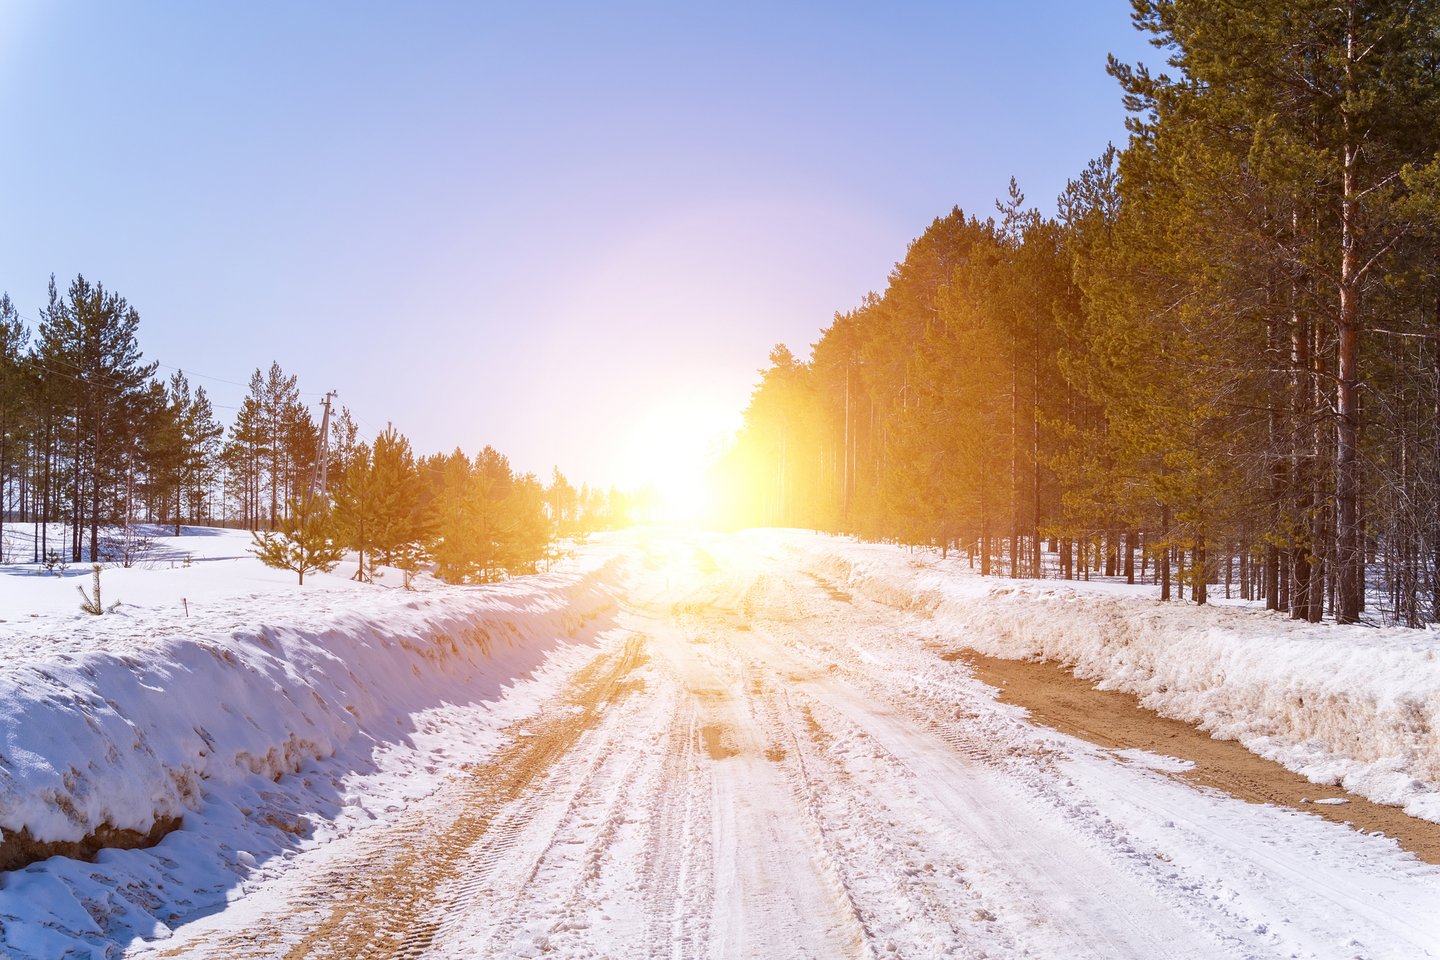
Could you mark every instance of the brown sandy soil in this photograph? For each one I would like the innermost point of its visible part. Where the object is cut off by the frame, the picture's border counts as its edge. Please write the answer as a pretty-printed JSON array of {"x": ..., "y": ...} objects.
[
  {"x": 339, "y": 916},
  {"x": 1056, "y": 698},
  {"x": 20, "y": 849}
]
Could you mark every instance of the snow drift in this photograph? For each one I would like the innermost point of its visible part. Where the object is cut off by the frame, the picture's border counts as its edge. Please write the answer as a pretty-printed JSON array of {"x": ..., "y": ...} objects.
[
  {"x": 1352, "y": 705},
  {"x": 125, "y": 736}
]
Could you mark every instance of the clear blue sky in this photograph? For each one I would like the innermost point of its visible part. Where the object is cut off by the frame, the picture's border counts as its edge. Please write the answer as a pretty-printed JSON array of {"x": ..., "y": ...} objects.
[{"x": 539, "y": 226}]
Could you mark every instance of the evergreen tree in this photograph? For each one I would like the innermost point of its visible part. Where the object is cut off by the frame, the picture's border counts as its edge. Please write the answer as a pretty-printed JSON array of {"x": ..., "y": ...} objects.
[
  {"x": 399, "y": 522},
  {"x": 304, "y": 542},
  {"x": 87, "y": 341},
  {"x": 562, "y": 501},
  {"x": 1322, "y": 107},
  {"x": 454, "y": 503},
  {"x": 14, "y": 426},
  {"x": 355, "y": 509}
]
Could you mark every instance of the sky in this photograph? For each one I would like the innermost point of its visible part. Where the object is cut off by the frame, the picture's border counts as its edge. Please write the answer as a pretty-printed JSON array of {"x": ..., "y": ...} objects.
[{"x": 570, "y": 231}]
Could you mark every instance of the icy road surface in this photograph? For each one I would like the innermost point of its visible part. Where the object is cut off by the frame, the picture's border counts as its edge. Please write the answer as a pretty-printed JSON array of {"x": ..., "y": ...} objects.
[{"x": 761, "y": 765}]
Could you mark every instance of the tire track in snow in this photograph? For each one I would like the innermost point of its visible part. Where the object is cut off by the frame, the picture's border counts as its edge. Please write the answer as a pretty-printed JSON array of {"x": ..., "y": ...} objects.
[
  {"x": 890, "y": 663},
  {"x": 777, "y": 892},
  {"x": 773, "y": 768},
  {"x": 382, "y": 901},
  {"x": 891, "y": 880},
  {"x": 553, "y": 879},
  {"x": 679, "y": 861}
]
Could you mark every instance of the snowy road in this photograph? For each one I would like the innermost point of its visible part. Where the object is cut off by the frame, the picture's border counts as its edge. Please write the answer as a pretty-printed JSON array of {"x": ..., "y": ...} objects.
[{"x": 760, "y": 765}]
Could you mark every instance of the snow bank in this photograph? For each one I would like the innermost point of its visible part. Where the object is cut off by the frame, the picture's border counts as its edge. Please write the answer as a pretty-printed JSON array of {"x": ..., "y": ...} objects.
[
  {"x": 1351, "y": 705},
  {"x": 125, "y": 734}
]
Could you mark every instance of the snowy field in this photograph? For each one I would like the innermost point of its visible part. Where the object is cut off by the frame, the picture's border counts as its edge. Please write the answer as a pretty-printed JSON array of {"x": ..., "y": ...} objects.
[{"x": 686, "y": 745}]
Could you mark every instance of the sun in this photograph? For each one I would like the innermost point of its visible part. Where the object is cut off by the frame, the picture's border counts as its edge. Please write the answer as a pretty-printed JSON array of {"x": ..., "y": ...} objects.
[{"x": 668, "y": 453}]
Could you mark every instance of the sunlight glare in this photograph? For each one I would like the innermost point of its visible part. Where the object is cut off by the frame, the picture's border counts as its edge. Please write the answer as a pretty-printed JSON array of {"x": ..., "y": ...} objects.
[{"x": 669, "y": 452}]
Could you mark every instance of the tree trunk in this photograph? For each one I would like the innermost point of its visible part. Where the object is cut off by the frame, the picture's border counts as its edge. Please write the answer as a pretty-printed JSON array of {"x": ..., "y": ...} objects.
[
  {"x": 1130, "y": 537},
  {"x": 1201, "y": 592},
  {"x": 1163, "y": 558},
  {"x": 1348, "y": 558},
  {"x": 1271, "y": 576}
]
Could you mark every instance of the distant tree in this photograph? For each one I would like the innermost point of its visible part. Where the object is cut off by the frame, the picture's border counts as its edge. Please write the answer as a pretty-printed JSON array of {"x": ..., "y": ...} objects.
[
  {"x": 14, "y": 428},
  {"x": 481, "y": 522},
  {"x": 244, "y": 455},
  {"x": 344, "y": 439},
  {"x": 187, "y": 452},
  {"x": 272, "y": 447},
  {"x": 399, "y": 520},
  {"x": 456, "y": 508},
  {"x": 276, "y": 414},
  {"x": 87, "y": 341},
  {"x": 490, "y": 485},
  {"x": 527, "y": 529},
  {"x": 562, "y": 501},
  {"x": 355, "y": 507},
  {"x": 168, "y": 451}
]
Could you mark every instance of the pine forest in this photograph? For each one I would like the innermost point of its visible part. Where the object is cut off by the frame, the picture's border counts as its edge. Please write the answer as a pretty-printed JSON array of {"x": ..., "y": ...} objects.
[
  {"x": 1215, "y": 367},
  {"x": 93, "y": 442}
]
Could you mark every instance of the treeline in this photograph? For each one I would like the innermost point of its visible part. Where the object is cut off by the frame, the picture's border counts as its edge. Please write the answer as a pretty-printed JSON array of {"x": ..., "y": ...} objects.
[
  {"x": 1217, "y": 363},
  {"x": 94, "y": 442}
]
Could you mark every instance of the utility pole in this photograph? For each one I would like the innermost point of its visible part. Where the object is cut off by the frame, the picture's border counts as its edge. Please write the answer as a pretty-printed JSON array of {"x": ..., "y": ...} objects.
[
  {"x": 319, "y": 474},
  {"x": 845, "y": 470}
]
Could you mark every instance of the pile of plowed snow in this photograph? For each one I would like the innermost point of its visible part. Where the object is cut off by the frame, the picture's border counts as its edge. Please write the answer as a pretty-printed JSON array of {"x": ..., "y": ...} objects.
[
  {"x": 122, "y": 720},
  {"x": 1355, "y": 705}
]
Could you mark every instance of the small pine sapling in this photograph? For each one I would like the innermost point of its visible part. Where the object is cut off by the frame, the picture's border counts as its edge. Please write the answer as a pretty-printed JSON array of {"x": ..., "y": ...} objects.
[
  {"x": 305, "y": 541},
  {"x": 54, "y": 562},
  {"x": 408, "y": 558},
  {"x": 93, "y": 605}
]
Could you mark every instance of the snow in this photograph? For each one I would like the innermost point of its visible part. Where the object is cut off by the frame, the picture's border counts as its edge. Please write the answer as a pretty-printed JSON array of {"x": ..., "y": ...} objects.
[
  {"x": 269, "y": 716},
  {"x": 1353, "y": 705},
  {"x": 873, "y": 799},
  {"x": 788, "y": 768}
]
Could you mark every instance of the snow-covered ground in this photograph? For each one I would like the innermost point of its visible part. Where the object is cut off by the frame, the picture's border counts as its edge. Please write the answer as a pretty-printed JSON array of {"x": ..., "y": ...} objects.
[
  {"x": 1359, "y": 706},
  {"x": 684, "y": 745},
  {"x": 272, "y": 718}
]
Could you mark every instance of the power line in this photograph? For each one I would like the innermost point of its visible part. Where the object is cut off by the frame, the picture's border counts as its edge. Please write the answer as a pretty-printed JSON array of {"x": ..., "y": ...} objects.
[
  {"x": 234, "y": 383},
  {"x": 85, "y": 378},
  {"x": 160, "y": 363},
  {"x": 202, "y": 376}
]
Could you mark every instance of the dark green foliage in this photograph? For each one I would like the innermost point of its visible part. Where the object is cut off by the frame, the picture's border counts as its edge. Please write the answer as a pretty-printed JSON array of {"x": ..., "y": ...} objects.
[{"x": 98, "y": 404}]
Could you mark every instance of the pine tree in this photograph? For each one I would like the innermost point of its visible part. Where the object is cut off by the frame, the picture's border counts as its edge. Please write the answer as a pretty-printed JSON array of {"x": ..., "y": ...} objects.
[
  {"x": 459, "y": 545},
  {"x": 244, "y": 455},
  {"x": 186, "y": 452},
  {"x": 202, "y": 436},
  {"x": 1314, "y": 111},
  {"x": 528, "y": 531},
  {"x": 562, "y": 501},
  {"x": 399, "y": 521},
  {"x": 14, "y": 428},
  {"x": 354, "y": 510},
  {"x": 303, "y": 542},
  {"x": 87, "y": 342}
]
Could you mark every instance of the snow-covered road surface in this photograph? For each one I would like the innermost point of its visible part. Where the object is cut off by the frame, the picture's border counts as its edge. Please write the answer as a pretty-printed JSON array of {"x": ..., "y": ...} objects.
[{"x": 757, "y": 764}]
